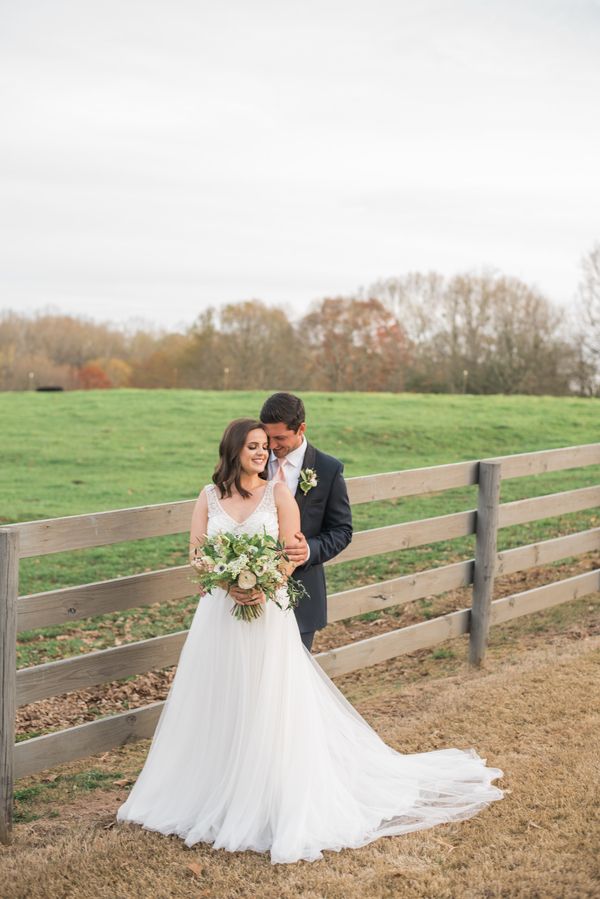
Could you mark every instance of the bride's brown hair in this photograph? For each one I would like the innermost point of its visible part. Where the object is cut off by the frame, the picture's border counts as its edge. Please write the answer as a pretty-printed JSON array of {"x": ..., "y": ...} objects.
[{"x": 229, "y": 469}]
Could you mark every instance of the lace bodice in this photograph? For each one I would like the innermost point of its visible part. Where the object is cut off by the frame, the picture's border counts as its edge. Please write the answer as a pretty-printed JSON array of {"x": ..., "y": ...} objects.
[{"x": 262, "y": 517}]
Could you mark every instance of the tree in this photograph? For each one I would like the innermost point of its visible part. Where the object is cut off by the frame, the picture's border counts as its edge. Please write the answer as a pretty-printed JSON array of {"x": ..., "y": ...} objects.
[
  {"x": 259, "y": 346},
  {"x": 354, "y": 345},
  {"x": 482, "y": 332},
  {"x": 93, "y": 377},
  {"x": 198, "y": 359},
  {"x": 161, "y": 368},
  {"x": 416, "y": 300},
  {"x": 47, "y": 348},
  {"x": 244, "y": 345},
  {"x": 587, "y": 323},
  {"x": 117, "y": 371}
]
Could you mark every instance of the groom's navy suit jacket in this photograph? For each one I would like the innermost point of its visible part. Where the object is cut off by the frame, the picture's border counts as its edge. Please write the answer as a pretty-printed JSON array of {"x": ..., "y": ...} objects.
[{"x": 326, "y": 522}]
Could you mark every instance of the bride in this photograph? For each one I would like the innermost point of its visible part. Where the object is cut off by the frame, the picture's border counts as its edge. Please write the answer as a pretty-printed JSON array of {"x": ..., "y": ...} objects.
[{"x": 255, "y": 747}]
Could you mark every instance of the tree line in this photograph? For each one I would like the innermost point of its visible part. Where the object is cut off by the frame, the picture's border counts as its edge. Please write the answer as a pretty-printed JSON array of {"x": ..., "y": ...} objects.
[{"x": 473, "y": 332}]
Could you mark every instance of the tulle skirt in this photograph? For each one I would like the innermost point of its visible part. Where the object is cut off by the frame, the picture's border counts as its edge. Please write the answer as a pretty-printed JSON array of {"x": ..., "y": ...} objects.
[{"x": 256, "y": 748}]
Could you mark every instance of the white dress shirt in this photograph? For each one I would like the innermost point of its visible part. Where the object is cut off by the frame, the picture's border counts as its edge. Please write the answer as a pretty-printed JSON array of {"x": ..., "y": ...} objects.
[
  {"x": 291, "y": 469},
  {"x": 293, "y": 466}
]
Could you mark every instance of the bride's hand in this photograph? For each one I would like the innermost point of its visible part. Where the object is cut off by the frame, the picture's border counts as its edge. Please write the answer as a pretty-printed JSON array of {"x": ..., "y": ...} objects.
[{"x": 247, "y": 597}]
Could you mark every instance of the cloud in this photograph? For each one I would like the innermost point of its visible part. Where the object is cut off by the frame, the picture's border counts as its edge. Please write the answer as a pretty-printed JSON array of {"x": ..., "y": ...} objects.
[{"x": 166, "y": 156}]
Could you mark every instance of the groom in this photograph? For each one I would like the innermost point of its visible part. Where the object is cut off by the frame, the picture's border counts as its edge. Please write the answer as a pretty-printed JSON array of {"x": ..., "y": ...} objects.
[{"x": 316, "y": 481}]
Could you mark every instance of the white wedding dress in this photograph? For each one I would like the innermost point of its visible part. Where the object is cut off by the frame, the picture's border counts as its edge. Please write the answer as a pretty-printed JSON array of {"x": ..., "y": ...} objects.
[{"x": 256, "y": 748}]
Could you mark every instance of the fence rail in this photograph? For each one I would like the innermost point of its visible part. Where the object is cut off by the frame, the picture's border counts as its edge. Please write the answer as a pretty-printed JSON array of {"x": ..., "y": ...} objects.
[
  {"x": 53, "y": 535},
  {"x": 79, "y": 531}
]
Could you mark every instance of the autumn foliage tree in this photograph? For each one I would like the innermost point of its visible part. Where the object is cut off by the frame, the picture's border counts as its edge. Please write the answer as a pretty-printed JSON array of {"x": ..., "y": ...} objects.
[
  {"x": 93, "y": 377},
  {"x": 51, "y": 349},
  {"x": 161, "y": 366},
  {"x": 479, "y": 332},
  {"x": 355, "y": 345},
  {"x": 242, "y": 344}
]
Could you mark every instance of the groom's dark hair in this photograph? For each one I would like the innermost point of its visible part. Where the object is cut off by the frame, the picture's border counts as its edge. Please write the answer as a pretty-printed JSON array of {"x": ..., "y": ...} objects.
[{"x": 283, "y": 407}]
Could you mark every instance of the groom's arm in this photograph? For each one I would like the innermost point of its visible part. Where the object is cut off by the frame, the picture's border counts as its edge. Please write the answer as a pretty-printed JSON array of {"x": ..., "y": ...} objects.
[{"x": 336, "y": 532}]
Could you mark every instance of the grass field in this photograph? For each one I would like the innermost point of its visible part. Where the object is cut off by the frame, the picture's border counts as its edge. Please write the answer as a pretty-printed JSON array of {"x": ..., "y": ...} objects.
[
  {"x": 91, "y": 451},
  {"x": 76, "y": 452}
]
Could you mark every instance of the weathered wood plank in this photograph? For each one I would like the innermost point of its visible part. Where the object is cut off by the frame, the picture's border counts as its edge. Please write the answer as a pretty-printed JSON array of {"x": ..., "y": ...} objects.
[
  {"x": 54, "y": 678},
  {"x": 9, "y": 589},
  {"x": 399, "y": 590},
  {"x": 406, "y": 535},
  {"x": 103, "y": 528},
  {"x": 545, "y": 597},
  {"x": 71, "y": 603},
  {"x": 64, "y": 675},
  {"x": 411, "y": 482},
  {"x": 520, "y": 465},
  {"x": 418, "y": 481},
  {"x": 49, "y": 750},
  {"x": 54, "y": 535},
  {"x": 387, "y": 646},
  {"x": 101, "y": 597},
  {"x": 552, "y": 504},
  {"x": 522, "y": 557},
  {"x": 485, "y": 559},
  {"x": 56, "y": 606},
  {"x": 80, "y": 672},
  {"x": 79, "y": 531}
]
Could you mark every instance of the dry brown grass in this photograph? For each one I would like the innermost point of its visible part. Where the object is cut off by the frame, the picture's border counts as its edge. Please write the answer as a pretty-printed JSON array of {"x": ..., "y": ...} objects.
[{"x": 533, "y": 710}]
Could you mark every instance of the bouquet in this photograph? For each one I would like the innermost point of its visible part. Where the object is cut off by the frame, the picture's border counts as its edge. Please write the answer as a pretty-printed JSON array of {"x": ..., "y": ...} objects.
[{"x": 250, "y": 562}]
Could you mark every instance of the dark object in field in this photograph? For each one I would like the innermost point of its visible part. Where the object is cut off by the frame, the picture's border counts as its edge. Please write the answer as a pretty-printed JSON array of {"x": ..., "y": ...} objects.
[{"x": 48, "y": 389}]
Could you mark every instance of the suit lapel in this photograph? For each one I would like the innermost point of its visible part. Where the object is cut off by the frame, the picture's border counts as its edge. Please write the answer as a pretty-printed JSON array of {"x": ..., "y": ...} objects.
[{"x": 308, "y": 462}]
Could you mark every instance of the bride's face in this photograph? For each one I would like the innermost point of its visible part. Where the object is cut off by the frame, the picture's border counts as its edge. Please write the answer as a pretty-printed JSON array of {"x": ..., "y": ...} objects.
[{"x": 255, "y": 452}]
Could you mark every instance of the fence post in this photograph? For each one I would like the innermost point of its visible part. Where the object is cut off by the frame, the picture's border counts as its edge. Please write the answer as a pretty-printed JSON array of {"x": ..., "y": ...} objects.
[
  {"x": 9, "y": 589},
  {"x": 485, "y": 559}
]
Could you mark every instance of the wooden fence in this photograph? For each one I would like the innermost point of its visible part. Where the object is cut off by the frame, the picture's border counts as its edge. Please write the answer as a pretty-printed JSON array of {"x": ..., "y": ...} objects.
[{"x": 36, "y": 538}]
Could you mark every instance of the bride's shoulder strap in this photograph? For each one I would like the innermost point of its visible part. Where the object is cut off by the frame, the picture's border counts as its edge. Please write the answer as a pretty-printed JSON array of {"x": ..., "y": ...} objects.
[{"x": 211, "y": 498}]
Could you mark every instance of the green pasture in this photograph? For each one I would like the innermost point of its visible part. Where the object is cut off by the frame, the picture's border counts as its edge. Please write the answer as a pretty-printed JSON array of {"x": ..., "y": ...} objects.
[{"x": 89, "y": 451}]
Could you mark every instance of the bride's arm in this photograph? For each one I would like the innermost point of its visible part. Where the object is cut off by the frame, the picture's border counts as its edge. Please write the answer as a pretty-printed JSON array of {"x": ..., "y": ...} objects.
[
  {"x": 288, "y": 514},
  {"x": 199, "y": 524}
]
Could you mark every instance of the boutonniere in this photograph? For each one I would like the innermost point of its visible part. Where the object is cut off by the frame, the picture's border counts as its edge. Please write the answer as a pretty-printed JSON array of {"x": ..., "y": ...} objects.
[{"x": 308, "y": 480}]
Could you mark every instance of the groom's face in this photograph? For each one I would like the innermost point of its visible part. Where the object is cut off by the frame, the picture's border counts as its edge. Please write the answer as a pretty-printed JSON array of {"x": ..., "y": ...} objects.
[{"x": 282, "y": 440}]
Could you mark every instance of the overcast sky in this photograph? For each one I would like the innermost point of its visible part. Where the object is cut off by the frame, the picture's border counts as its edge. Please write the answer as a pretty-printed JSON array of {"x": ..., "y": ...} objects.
[{"x": 160, "y": 156}]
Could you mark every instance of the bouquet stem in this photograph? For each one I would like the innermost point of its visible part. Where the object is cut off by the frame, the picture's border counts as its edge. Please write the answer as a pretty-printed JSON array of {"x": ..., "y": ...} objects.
[{"x": 246, "y": 613}]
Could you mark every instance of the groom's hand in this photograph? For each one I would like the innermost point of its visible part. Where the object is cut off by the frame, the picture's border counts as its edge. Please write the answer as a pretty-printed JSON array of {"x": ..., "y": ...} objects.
[{"x": 298, "y": 551}]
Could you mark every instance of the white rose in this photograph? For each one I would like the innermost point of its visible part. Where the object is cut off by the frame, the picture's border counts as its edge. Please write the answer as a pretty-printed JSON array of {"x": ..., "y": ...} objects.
[{"x": 246, "y": 580}]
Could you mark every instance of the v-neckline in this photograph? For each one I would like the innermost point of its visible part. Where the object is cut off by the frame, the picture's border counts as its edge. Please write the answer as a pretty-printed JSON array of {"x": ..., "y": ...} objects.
[{"x": 255, "y": 509}]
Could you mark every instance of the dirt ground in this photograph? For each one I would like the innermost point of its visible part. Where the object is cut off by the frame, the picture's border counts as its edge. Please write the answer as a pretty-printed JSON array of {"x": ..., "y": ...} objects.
[{"x": 533, "y": 710}]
